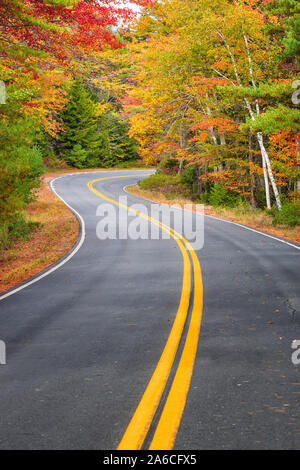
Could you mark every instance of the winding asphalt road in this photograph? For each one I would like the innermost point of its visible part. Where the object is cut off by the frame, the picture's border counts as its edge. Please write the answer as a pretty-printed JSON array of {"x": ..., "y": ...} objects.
[{"x": 84, "y": 341}]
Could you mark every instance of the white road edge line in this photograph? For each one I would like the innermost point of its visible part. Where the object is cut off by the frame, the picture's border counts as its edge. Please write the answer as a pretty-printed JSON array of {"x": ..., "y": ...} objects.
[
  {"x": 65, "y": 260},
  {"x": 73, "y": 252},
  {"x": 80, "y": 243},
  {"x": 256, "y": 231},
  {"x": 222, "y": 220}
]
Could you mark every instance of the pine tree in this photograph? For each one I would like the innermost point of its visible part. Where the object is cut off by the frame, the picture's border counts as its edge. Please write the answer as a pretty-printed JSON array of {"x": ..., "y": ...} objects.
[
  {"x": 79, "y": 123},
  {"x": 119, "y": 146},
  {"x": 288, "y": 12},
  {"x": 77, "y": 156}
]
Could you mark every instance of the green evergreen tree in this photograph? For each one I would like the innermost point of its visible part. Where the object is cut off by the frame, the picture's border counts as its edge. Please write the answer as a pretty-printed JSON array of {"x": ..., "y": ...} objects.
[
  {"x": 117, "y": 146},
  {"x": 288, "y": 12},
  {"x": 88, "y": 140},
  {"x": 79, "y": 123},
  {"x": 77, "y": 156}
]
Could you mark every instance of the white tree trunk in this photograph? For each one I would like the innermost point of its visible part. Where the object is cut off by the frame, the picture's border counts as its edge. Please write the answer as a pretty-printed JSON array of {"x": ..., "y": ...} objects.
[
  {"x": 264, "y": 155},
  {"x": 266, "y": 179},
  {"x": 270, "y": 173},
  {"x": 298, "y": 162}
]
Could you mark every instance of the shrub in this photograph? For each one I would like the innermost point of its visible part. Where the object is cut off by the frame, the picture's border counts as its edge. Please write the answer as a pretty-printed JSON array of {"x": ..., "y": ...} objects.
[
  {"x": 289, "y": 214},
  {"x": 220, "y": 196},
  {"x": 17, "y": 229},
  {"x": 203, "y": 198},
  {"x": 160, "y": 180}
]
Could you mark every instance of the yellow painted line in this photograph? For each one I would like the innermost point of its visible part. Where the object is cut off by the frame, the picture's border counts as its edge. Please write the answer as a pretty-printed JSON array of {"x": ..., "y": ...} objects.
[
  {"x": 140, "y": 423},
  {"x": 166, "y": 431}
]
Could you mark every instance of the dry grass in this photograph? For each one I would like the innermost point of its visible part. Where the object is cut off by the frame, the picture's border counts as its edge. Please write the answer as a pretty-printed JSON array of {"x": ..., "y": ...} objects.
[
  {"x": 157, "y": 196},
  {"x": 54, "y": 173},
  {"x": 54, "y": 238},
  {"x": 59, "y": 230},
  {"x": 255, "y": 219}
]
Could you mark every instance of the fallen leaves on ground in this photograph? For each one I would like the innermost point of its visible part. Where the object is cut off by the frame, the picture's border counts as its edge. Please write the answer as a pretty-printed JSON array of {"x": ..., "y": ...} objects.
[{"x": 53, "y": 239}]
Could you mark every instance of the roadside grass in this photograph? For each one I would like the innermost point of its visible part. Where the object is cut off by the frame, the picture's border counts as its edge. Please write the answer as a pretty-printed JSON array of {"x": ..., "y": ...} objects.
[
  {"x": 135, "y": 165},
  {"x": 47, "y": 231},
  {"x": 257, "y": 218},
  {"x": 53, "y": 229},
  {"x": 56, "y": 231},
  {"x": 17, "y": 229}
]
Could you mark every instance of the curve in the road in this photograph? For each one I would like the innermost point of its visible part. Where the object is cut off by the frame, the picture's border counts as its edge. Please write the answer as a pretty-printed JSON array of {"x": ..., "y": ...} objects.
[
  {"x": 246, "y": 277},
  {"x": 64, "y": 259},
  {"x": 169, "y": 422}
]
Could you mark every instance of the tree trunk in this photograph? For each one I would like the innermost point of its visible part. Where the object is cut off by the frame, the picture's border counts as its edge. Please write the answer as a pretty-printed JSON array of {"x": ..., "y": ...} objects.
[
  {"x": 252, "y": 177},
  {"x": 182, "y": 136},
  {"x": 266, "y": 159},
  {"x": 199, "y": 181},
  {"x": 298, "y": 162}
]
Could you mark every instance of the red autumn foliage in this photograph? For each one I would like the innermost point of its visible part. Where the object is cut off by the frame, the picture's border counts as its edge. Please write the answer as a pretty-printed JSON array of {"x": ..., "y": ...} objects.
[{"x": 57, "y": 29}]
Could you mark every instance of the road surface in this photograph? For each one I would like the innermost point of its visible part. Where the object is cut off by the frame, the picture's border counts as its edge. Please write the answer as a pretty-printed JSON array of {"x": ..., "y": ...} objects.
[{"x": 84, "y": 340}]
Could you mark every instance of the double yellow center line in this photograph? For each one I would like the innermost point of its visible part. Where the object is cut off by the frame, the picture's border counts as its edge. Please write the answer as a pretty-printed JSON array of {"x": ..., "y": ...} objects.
[{"x": 166, "y": 430}]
